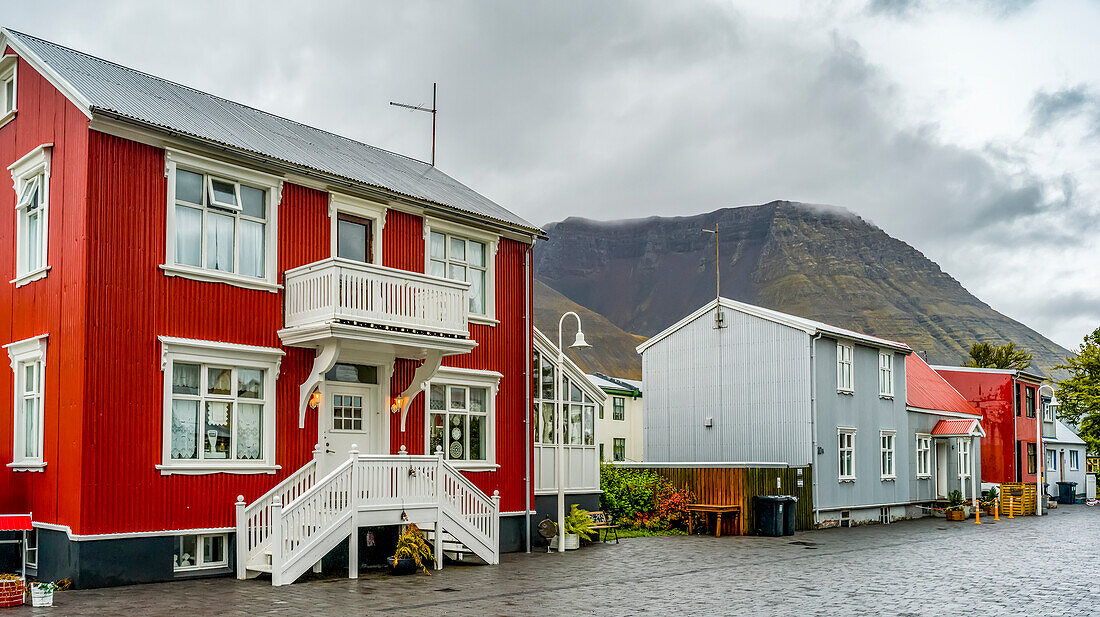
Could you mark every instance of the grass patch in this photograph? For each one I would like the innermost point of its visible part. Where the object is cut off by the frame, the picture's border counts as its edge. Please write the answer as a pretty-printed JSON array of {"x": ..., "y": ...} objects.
[{"x": 645, "y": 533}]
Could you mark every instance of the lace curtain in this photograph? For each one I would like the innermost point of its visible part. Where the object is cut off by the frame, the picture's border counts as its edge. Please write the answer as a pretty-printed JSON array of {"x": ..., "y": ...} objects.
[{"x": 249, "y": 431}]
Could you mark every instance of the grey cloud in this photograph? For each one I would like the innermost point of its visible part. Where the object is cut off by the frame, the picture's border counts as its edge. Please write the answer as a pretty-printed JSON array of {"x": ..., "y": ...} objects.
[
  {"x": 1051, "y": 108},
  {"x": 906, "y": 9}
]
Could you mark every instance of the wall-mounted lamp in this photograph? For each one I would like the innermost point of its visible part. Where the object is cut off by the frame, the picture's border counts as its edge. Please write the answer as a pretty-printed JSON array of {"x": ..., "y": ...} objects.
[
  {"x": 315, "y": 399},
  {"x": 398, "y": 403}
]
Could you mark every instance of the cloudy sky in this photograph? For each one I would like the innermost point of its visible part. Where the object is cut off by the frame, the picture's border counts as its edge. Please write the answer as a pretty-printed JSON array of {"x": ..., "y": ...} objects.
[{"x": 968, "y": 129}]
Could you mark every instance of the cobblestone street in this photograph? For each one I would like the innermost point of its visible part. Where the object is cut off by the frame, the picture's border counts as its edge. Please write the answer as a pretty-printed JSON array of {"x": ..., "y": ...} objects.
[{"x": 1028, "y": 565}]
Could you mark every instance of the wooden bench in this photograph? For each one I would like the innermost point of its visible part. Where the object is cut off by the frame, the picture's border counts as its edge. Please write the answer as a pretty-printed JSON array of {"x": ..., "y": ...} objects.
[
  {"x": 719, "y": 511},
  {"x": 602, "y": 522}
]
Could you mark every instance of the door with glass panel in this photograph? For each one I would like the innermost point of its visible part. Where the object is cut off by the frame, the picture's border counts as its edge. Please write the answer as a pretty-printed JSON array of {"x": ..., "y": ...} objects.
[{"x": 352, "y": 418}]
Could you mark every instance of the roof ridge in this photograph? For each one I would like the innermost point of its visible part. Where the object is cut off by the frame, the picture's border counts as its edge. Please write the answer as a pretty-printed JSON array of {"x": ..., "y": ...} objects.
[{"x": 215, "y": 96}]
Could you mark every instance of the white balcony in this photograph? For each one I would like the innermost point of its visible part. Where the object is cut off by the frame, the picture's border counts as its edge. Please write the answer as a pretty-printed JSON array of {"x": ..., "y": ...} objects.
[{"x": 338, "y": 298}]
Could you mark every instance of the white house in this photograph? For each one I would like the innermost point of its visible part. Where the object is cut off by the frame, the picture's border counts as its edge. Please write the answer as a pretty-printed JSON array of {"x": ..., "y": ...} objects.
[{"x": 620, "y": 418}]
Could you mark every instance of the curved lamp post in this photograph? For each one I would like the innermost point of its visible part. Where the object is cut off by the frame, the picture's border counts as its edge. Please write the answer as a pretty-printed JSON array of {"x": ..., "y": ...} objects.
[
  {"x": 579, "y": 343},
  {"x": 1040, "y": 480}
]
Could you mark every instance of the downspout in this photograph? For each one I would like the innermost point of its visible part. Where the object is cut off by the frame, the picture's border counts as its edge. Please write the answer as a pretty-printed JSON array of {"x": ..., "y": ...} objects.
[
  {"x": 813, "y": 425},
  {"x": 527, "y": 398}
]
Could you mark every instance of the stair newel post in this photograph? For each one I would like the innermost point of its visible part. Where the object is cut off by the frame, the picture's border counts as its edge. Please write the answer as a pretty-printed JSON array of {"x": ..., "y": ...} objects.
[
  {"x": 243, "y": 538},
  {"x": 353, "y": 454},
  {"x": 276, "y": 543},
  {"x": 439, "y": 472},
  {"x": 354, "y": 502},
  {"x": 440, "y": 493},
  {"x": 496, "y": 527},
  {"x": 402, "y": 475}
]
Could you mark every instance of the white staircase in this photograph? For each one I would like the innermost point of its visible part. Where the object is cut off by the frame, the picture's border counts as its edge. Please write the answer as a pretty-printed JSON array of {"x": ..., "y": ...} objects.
[{"x": 294, "y": 525}]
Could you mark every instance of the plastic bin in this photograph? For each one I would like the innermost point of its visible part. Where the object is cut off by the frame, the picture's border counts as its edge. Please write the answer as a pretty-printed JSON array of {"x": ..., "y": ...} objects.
[
  {"x": 775, "y": 514},
  {"x": 1067, "y": 492},
  {"x": 790, "y": 509}
]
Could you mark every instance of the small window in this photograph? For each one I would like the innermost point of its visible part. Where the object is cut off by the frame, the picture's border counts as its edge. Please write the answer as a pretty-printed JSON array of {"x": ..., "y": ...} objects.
[
  {"x": 31, "y": 175},
  {"x": 844, "y": 368},
  {"x": 7, "y": 92},
  {"x": 964, "y": 458},
  {"x": 200, "y": 552},
  {"x": 347, "y": 412},
  {"x": 602, "y": 459},
  {"x": 354, "y": 237},
  {"x": 1052, "y": 460},
  {"x": 924, "y": 456},
  {"x": 886, "y": 374},
  {"x": 28, "y": 362},
  {"x": 619, "y": 449},
  {"x": 1048, "y": 410},
  {"x": 619, "y": 408},
  {"x": 1031, "y": 455},
  {"x": 1029, "y": 401},
  {"x": 1019, "y": 406},
  {"x": 886, "y": 439},
  {"x": 847, "y": 454},
  {"x": 1074, "y": 461},
  {"x": 30, "y": 549}
]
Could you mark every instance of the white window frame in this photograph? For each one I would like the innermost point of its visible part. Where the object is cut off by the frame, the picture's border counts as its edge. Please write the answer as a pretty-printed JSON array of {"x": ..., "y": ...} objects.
[
  {"x": 30, "y": 550},
  {"x": 888, "y": 455},
  {"x": 924, "y": 455},
  {"x": 32, "y": 167},
  {"x": 22, "y": 353},
  {"x": 273, "y": 187},
  {"x": 1048, "y": 411},
  {"x": 964, "y": 457},
  {"x": 9, "y": 71},
  {"x": 850, "y": 447},
  {"x": 470, "y": 378},
  {"x": 468, "y": 233},
  {"x": 200, "y": 557},
  {"x": 1074, "y": 460},
  {"x": 339, "y": 203},
  {"x": 845, "y": 366},
  {"x": 886, "y": 374},
  {"x": 230, "y": 355},
  {"x": 1052, "y": 459}
]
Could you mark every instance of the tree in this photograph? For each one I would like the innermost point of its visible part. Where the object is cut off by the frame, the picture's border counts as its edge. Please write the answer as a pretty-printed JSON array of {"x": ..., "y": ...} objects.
[
  {"x": 984, "y": 355},
  {"x": 1079, "y": 393}
]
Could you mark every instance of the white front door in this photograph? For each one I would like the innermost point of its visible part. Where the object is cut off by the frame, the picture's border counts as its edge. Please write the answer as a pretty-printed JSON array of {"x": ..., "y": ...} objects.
[
  {"x": 941, "y": 469},
  {"x": 352, "y": 417}
]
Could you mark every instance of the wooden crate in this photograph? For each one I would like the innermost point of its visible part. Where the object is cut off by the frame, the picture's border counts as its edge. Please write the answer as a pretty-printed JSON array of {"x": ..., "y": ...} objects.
[{"x": 1021, "y": 506}]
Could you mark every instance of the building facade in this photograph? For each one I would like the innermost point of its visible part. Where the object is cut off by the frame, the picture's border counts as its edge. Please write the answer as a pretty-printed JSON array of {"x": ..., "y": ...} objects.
[
  {"x": 213, "y": 312},
  {"x": 620, "y": 420}
]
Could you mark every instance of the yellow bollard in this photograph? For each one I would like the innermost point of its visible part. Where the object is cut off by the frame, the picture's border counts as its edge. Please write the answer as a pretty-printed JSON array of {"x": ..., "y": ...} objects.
[
  {"x": 996, "y": 511},
  {"x": 1010, "y": 508},
  {"x": 977, "y": 515}
]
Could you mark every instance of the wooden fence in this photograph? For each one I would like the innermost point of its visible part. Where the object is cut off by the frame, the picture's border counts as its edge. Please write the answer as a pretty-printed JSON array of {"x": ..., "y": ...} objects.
[
  {"x": 1020, "y": 506},
  {"x": 738, "y": 485}
]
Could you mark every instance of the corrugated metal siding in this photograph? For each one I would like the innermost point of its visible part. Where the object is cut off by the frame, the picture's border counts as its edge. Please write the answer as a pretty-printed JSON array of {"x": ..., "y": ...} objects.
[
  {"x": 53, "y": 305},
  {"x": 130, "y": 304},
  {"x": 403, "y": 241},
  {"x": 752, "y": 377},
  {"x": 992, "y": 394}
]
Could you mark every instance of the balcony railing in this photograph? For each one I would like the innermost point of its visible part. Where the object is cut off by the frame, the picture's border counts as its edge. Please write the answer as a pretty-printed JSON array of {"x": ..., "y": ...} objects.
[{"x": 335, "y": 290}]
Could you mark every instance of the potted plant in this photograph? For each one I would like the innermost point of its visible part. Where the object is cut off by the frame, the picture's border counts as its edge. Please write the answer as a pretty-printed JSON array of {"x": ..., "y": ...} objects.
[
  {"x": 955, "y": 510},
  {"x": 12, "y": 590},
  {"x": 991, "y": 499},
  {"x": 42, "y": 593},
  {"x": 412, "y": 552},
  {"x": 578, "y": 524}
]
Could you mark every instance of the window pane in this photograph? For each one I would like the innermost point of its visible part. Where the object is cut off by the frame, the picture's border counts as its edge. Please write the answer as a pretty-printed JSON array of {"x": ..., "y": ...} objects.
[
  {"x": 476, "y": 255},
  {"x": 252, "y": 202},
  {"x": 477, "y": 291},
  {"x": 438, "y": 399},
  {"x": 188, "y": 187},
  {"x": 252, "y": 248},
  {"x": 213, "y": 549},
  {"x": 437, "y": 248},
  {"x": 438, "y": 424},
  {"x": 186, "y": 554},
  {"x": 438, "y": 268},
  {"x": 219, "y": 242},
  {"x": 9, "y": 95},
  {"x": 185, "y": 430},
  {"x": 250, "y": 383},
  {"x": 456, "y": 273},
  {"x": 477, "y": 438},
  {"x": 218, "y": 430},
  {"x": 351, "y": 241},
  {"x": 548, "y": 423},
  {"x": 477, "y": 400},
  {"x": 185, "y": 378},
  {"x": 30, "y": 383},
  {"x": 589, "y": 425},
  {"x": 219, "y": 381},
  {"x": 458, "y": 398},
  {"x": 457, "y": 448},
  {"x": 547, "y": 380},
  {"x": 30, "y": 254},
  {"x": 30, "y": 428},
  {"x": 188, "y": 236},
  {"x": 574, "y": 392},
  {"x": 249, "y": 431},
  {"x": 223, "y": 192},
  {"x": 575, "y": 430},
  {"x": 458, "y": 250}
]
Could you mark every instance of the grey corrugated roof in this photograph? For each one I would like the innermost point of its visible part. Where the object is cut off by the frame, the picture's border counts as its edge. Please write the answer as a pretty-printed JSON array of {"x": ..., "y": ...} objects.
[{"x": 148, "y": 99}]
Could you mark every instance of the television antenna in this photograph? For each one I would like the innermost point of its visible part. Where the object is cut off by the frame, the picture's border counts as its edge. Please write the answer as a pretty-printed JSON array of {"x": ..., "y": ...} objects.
[
  {"x": 432, "y": 110},
  {"x": 718, "y": 321}
]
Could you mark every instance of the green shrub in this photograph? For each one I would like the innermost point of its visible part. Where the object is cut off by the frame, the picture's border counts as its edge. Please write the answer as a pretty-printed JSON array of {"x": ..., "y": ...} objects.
[{"x": 643, "y": 499}]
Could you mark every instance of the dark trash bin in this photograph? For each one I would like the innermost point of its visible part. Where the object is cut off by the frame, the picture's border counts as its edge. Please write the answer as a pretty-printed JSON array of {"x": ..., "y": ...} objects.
[
  {"x": 1067, "y": 492},
  {"x": 790, "y": 508},
  {"x": 771, "y": 514}
]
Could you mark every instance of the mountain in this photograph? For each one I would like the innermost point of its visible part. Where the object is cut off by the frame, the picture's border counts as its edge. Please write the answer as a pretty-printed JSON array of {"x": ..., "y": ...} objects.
[
  {"x": 613, "y": 350},
  {"x": 818, "y": 262}
]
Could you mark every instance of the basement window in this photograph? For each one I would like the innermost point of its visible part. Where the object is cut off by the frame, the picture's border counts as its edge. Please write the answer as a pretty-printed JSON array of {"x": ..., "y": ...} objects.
[{"x": 200, "y": 552}]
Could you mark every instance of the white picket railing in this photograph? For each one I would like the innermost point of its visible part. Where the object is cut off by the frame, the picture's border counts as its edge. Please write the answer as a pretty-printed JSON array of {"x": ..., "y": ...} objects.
[
  {"x": 366, "y": 482},
  {"x": 254, "y": 520},
  {"x": 339, "y": 289}
]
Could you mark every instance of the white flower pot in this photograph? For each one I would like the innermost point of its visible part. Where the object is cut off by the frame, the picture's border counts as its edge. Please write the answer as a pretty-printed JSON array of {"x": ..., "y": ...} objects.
[
  {"x": 41, "y": 597},
  {"x": 572, "y": 542}
]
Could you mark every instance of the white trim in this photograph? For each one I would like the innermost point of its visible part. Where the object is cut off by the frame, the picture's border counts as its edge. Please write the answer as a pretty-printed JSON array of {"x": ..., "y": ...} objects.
[
  {"x": 362, "y": 208},
  {"x": 946, "y": 414},
  {"x": 850, "y": 385},
  {"x": 47, "y": 71},
  {"x": 31, "y": 276},
  {"x": 130, "y": 534},
  {"x": 841, "y": 431},
  {"x": 25, "y": 171},
  {"x": 199, "y": 553},
  {"x": 888, "y": 357},
  {"x": 468, "y": 378},
  {"x": 273, "y": 191},
  {"x": 9, "y": 71},
  {"x": 21, "y": 353},
  {"x": 964, "y": 468},
  {"x": 233, "y": 355},
  {"x": 893, "y": 434},
  {"x": 483, "y": 320},
  {"x": 926, "y": 436},
  {"x": 466, "y": 232}
]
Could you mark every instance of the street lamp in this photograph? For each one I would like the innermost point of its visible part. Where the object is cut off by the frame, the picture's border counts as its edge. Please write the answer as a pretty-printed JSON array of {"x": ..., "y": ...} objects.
[
  {"x": 1039, "y": 480},
  {"x": 579, "y": 343}
]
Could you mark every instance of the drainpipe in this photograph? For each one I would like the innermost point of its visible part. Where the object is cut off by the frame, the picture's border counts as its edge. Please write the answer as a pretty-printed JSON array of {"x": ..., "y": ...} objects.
[
  {"x": 813, "y": 425},
  {"x": 527, "y": 398}
]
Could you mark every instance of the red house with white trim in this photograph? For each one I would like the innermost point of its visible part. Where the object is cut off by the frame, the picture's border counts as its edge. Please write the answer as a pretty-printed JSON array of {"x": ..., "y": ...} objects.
[{"x": 209, "y": 302}]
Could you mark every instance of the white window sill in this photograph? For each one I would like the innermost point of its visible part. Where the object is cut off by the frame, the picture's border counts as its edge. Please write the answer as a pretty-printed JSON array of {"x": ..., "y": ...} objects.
[
  {"x": 459, "y": 465},
  {"x": 483, "y": 320},
  {"x": 889, "y": 478},
  {"x": 6, "y": 118},
  {"x": 214, "y": 276},
  {"x": 196, "y": 470},
  {"x": 27, "y": 466},
  {"x": 924, "y": 476},
  {"x": 886, "y": 396},
  {"x": 843, "y": 480},
  {"x": 849, "y": 392},
  {"x": 31, "y": 276}
]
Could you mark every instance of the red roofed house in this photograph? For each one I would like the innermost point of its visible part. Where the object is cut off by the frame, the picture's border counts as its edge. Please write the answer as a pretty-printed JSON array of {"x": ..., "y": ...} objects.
[{"x": 947, "y": 430}]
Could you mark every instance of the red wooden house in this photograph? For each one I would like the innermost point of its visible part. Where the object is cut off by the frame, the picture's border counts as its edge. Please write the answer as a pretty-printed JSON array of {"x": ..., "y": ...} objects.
[
  {"x": 221, "y": 323},
  {"x": 1009, "y": 403}
]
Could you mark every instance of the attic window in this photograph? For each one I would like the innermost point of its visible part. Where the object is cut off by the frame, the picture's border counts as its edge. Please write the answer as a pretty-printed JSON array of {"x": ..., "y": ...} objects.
[{"x": 7, "y": 91}]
